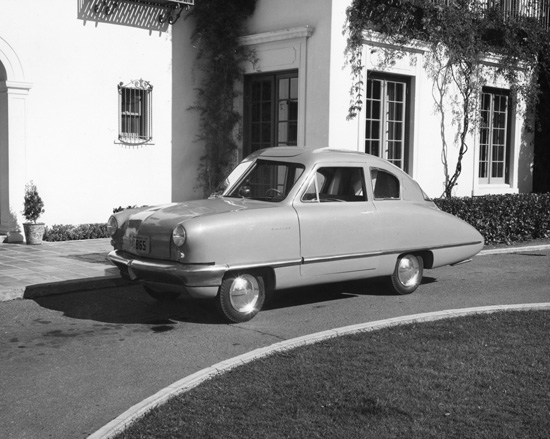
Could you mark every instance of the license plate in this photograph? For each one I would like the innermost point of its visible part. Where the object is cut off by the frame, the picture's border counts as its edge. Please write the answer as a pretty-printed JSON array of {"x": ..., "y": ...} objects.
[{"x": 141, "y": 244}]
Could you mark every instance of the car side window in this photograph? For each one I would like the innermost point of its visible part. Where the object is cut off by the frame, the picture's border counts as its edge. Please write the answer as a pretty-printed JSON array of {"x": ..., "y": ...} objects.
[
  {"x": 336, "y": 184},
  {"x": 385, "y": 185}
]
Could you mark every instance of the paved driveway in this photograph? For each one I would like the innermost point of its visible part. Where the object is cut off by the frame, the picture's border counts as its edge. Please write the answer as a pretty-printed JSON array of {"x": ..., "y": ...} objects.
[{"x": 71, "y": 363}]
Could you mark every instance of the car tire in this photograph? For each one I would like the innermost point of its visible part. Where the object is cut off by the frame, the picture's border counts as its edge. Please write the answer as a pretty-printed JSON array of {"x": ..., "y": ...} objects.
[
  {"x": 407, "y": 275},
  {"x": 241, "y": 296},
  {"x": 161, "y": 296}
]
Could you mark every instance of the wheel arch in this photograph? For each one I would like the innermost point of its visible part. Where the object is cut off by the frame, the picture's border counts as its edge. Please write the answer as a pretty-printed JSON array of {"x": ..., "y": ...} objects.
[
  {"x": 426, "y": 255},
  {"x": 267, "y": 274}
]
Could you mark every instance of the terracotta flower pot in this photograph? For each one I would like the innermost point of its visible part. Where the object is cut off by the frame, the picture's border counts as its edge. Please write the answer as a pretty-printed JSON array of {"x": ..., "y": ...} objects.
[{"x": 34, "y": 233}]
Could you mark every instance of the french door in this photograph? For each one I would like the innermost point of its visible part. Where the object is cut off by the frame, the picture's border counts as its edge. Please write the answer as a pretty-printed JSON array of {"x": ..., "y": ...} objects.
[{"x": 387, "y": 118}]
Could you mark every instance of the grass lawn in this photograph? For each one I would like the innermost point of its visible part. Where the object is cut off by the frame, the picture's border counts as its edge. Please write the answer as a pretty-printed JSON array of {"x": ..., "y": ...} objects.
[{"x": 482, "y": 376}]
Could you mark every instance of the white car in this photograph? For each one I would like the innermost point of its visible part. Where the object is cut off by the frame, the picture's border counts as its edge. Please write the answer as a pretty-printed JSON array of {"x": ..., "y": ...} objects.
[{"x": 288, "y": 217}]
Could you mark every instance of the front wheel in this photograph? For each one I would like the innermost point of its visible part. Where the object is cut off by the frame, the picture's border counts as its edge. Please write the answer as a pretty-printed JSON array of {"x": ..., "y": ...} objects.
[
  {"x": 241, "y": 297},
  {"x": 407, "y": 275}
]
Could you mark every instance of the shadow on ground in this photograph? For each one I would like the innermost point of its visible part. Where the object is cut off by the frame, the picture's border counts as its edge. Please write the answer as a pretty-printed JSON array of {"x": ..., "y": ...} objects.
[{"x": 132, "y": 305}]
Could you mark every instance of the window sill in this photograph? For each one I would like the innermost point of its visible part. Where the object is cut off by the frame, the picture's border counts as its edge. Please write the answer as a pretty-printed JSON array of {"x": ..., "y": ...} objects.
[{"x": 144, "y": 143}]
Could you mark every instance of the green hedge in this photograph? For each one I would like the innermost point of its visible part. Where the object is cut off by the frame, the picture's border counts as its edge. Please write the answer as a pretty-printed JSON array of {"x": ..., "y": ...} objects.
[
  {"x": 503, "y": 219},
  {"x": 59, "y": 232}
]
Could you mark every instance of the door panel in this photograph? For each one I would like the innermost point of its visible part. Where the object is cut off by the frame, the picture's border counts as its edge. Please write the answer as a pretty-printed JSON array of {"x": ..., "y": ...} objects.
[{"x": 337, "y": 236}]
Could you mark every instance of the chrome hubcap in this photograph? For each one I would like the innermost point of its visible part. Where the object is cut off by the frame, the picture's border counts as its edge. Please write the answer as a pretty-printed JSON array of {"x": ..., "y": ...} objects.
[
  {"x": 244, "y": 293},
  {"x": 408, "y": 271}
]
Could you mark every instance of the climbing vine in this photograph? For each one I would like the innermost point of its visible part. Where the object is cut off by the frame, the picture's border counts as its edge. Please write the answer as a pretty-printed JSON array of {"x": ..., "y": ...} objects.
[
  {"x": 219, "y": 59},
  {"x": 458, "y": 38}
]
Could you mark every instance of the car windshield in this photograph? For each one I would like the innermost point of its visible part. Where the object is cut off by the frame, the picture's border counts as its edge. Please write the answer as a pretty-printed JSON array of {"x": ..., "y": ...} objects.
[
  {"x": 265, "y": 180},
  {"x": 232, "y": 178}
]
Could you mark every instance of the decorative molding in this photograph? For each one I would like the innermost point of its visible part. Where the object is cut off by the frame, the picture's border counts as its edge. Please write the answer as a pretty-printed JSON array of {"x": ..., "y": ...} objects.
[
  {"x": 279, "y": 35},
  {"x": 19, "y": 86}
]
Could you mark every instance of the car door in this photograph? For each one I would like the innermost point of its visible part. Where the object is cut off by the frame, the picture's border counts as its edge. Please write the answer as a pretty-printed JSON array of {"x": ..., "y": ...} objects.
[{"x": 338, "y": 232}]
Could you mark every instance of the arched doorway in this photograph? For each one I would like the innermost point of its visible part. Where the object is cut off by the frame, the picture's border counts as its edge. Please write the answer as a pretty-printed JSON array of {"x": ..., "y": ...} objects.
[{"x": 14, "y": 91}]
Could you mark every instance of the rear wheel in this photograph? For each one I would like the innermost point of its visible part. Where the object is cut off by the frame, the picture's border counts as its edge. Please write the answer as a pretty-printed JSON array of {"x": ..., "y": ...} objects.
[
  {"x": 407, "y": 275},
  {"x": 161, "y": 296},
  {"x": 241, "y": 296}
]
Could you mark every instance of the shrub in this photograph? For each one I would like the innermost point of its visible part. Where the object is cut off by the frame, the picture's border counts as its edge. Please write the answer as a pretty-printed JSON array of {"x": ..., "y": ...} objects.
[
  {"x": 503, "y": 219},
  {"x": 59, "y": 232},
  {"x": 34, "y": 206}
]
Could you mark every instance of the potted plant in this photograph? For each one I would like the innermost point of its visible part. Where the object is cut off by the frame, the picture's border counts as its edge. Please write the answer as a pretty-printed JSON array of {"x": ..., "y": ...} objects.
[{"x": 34, "y": 207}]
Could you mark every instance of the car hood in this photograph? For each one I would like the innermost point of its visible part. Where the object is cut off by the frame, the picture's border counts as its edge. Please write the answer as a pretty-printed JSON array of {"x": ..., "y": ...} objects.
[
  {"x": 166, "y": 217},
  {"x": 158, "y": 222}
]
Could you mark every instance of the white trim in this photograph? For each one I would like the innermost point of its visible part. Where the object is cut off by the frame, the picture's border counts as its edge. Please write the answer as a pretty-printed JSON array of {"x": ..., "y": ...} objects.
[
  {"x": 11, "y": 62},
  {"x": 278, "y": 35}
]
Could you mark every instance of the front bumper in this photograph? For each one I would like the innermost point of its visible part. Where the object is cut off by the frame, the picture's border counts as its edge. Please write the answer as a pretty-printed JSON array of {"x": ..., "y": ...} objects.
[{"x": 168, "y": 272}]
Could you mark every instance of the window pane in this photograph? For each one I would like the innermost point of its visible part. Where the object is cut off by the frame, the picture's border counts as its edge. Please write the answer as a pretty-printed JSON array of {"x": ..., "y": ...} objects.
[
  {"x": 283, "y": 133},
  {"x": 385, "y": 185},
  {"x": 256, "y": 91},
  {"x": 293, "y": 88},
  {"x": 266, "y": 91},
  {"x": 283, "y": 88},
  {"x": 283, "y": 110},
  {"x": 293, "y": 110}
]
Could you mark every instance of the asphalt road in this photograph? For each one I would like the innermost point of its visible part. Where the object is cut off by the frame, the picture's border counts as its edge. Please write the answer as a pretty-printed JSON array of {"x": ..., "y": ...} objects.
[{"x": 71, "y": 363}]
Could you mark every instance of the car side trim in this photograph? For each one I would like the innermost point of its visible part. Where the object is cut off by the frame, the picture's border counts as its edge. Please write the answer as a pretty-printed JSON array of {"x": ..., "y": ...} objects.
[
  {"x": 319, "y": 259},
  {"x": 277, "y": 264}
]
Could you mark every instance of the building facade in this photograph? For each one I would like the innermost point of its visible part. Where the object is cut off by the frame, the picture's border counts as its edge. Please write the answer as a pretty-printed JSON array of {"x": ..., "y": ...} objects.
[
  {"x": 398, "y": 120},
  {"x": 95, "y": 97}
]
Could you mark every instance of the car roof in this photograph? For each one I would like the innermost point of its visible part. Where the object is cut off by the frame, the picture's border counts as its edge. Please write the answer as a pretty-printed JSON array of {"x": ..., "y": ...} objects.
[{"x": 322, "y": 155}]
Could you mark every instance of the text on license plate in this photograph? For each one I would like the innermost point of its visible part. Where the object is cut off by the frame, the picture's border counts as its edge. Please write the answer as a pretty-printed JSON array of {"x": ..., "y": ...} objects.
[{"x": 141, "y": 244}]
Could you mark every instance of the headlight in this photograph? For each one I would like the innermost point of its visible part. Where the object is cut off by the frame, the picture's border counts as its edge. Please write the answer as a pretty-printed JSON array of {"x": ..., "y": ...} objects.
[
  {"x": 179, "y": 236},
  {"x": 112, "y": 225}
]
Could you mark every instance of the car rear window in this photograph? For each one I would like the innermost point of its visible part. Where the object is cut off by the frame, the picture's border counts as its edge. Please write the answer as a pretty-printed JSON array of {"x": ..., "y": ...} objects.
[{"x": 385, "y": 185}]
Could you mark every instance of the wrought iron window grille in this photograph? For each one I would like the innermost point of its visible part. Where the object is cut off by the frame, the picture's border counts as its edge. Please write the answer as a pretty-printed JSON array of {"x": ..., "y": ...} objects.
[
  {"x": 171, "y": 9},
  {"x": 135, "y": 121}
]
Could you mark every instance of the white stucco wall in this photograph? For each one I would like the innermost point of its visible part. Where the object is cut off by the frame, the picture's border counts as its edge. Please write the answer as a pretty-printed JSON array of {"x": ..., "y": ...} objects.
[
  {"x": 74, "y": 64},
  {"x": 314, "y": 73}
]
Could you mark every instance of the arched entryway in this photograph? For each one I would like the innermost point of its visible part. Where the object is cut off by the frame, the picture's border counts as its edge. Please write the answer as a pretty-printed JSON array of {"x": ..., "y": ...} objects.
[{"x": 14, "y": 91}]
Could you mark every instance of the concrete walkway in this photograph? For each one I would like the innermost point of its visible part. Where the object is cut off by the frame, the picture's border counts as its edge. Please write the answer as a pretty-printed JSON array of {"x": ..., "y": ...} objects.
[{"x": 28, "y": 271}]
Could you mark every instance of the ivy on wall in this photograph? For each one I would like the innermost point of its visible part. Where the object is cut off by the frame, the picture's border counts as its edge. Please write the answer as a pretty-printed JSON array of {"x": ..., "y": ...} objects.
[
  {"x": 218, "y": 25},
  {"x": 458, "y": 38}
]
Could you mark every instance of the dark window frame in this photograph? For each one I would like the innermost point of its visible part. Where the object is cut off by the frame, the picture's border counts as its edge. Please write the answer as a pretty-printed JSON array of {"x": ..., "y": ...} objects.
[
  {"x": 263, "y": 107},
  {"x": 487, "y": 136},
  {"x": 407, "y": 117}
]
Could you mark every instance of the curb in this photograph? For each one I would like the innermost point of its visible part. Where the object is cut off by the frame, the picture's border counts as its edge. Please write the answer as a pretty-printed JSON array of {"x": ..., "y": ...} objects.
[
  {"x": 528, "y": 248},
  {"x": 62, "y": 287},
  {"x": 73, "y": 286},
  {"x": 121, "y": 422}
]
